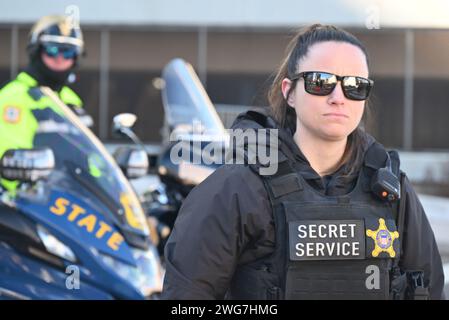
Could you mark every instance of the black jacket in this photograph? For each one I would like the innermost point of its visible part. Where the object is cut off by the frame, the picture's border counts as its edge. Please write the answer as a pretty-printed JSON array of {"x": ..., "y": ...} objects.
[{"x": 227, "y": 221}]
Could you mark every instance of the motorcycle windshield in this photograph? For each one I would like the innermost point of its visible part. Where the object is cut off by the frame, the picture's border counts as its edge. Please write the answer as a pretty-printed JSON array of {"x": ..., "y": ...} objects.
[
  {"x": 188, "y": 109},
  {"x": 85, "y": 168}
]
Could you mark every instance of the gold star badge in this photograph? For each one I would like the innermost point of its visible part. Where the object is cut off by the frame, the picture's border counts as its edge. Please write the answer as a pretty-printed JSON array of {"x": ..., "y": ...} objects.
[{"x": 383, "y": 239}]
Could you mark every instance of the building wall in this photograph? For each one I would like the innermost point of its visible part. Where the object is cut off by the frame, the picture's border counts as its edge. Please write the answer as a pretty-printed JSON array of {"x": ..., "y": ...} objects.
[{"x": 239, "y": 64}]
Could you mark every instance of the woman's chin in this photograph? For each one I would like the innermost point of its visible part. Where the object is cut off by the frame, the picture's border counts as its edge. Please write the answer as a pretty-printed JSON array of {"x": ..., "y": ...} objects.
[{"x": 335, "y": 134}]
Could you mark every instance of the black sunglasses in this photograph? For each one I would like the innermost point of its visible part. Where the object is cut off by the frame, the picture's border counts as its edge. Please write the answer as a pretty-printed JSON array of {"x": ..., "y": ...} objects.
[{"x": 323, "y": 83}]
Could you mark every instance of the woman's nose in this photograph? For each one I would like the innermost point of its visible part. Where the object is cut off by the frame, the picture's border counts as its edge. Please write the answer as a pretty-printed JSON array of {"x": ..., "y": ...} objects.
[{"x": 337, "y": 96}]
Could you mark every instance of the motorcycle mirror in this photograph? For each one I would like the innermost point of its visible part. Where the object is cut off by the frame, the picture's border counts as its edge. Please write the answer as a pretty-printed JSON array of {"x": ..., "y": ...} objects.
[
  {"x": 133, "y": 162},
  {"x": 27, "y": 165},
  {"x": 124, "y": 120}
]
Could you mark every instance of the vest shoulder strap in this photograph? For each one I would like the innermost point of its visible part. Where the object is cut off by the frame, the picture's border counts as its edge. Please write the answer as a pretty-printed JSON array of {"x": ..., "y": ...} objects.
[{"x": 283, "y": 182}]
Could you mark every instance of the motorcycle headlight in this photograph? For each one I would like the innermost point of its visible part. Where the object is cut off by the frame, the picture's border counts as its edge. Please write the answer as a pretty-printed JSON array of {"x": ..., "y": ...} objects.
[
  {"x": 146, "y": 277},
  {"x": 54, "y": 246}
]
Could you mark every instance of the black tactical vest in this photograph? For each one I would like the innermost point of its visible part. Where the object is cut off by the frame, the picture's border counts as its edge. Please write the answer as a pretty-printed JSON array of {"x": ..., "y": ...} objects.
[{"x": 327, "y": 247}]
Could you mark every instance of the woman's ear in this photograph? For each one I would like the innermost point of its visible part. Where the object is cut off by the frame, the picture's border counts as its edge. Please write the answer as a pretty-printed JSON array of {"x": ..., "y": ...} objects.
[{"x": 285, "y": 87}]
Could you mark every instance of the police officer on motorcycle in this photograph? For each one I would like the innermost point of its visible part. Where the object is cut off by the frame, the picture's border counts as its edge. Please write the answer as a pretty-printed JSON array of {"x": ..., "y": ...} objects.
[
  {"x": 337, "y": 219},
  {"x": 54, "y": 49}
]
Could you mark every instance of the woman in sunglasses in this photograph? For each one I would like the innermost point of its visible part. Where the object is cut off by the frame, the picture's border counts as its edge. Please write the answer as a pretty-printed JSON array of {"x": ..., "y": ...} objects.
[{"x": 337, "y": 219}]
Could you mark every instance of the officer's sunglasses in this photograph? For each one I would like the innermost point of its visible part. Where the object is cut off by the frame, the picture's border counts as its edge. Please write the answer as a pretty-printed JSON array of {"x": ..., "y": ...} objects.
[
  {"x": 323, "y": 83},
  {"x": 68, "y": 52}
]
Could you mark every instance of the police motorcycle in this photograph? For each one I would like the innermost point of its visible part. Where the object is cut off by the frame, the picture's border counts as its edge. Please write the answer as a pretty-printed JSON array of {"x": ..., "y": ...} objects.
[
  {"x": 74, "y": 228},
  {"x": 191, "y": 130}
]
